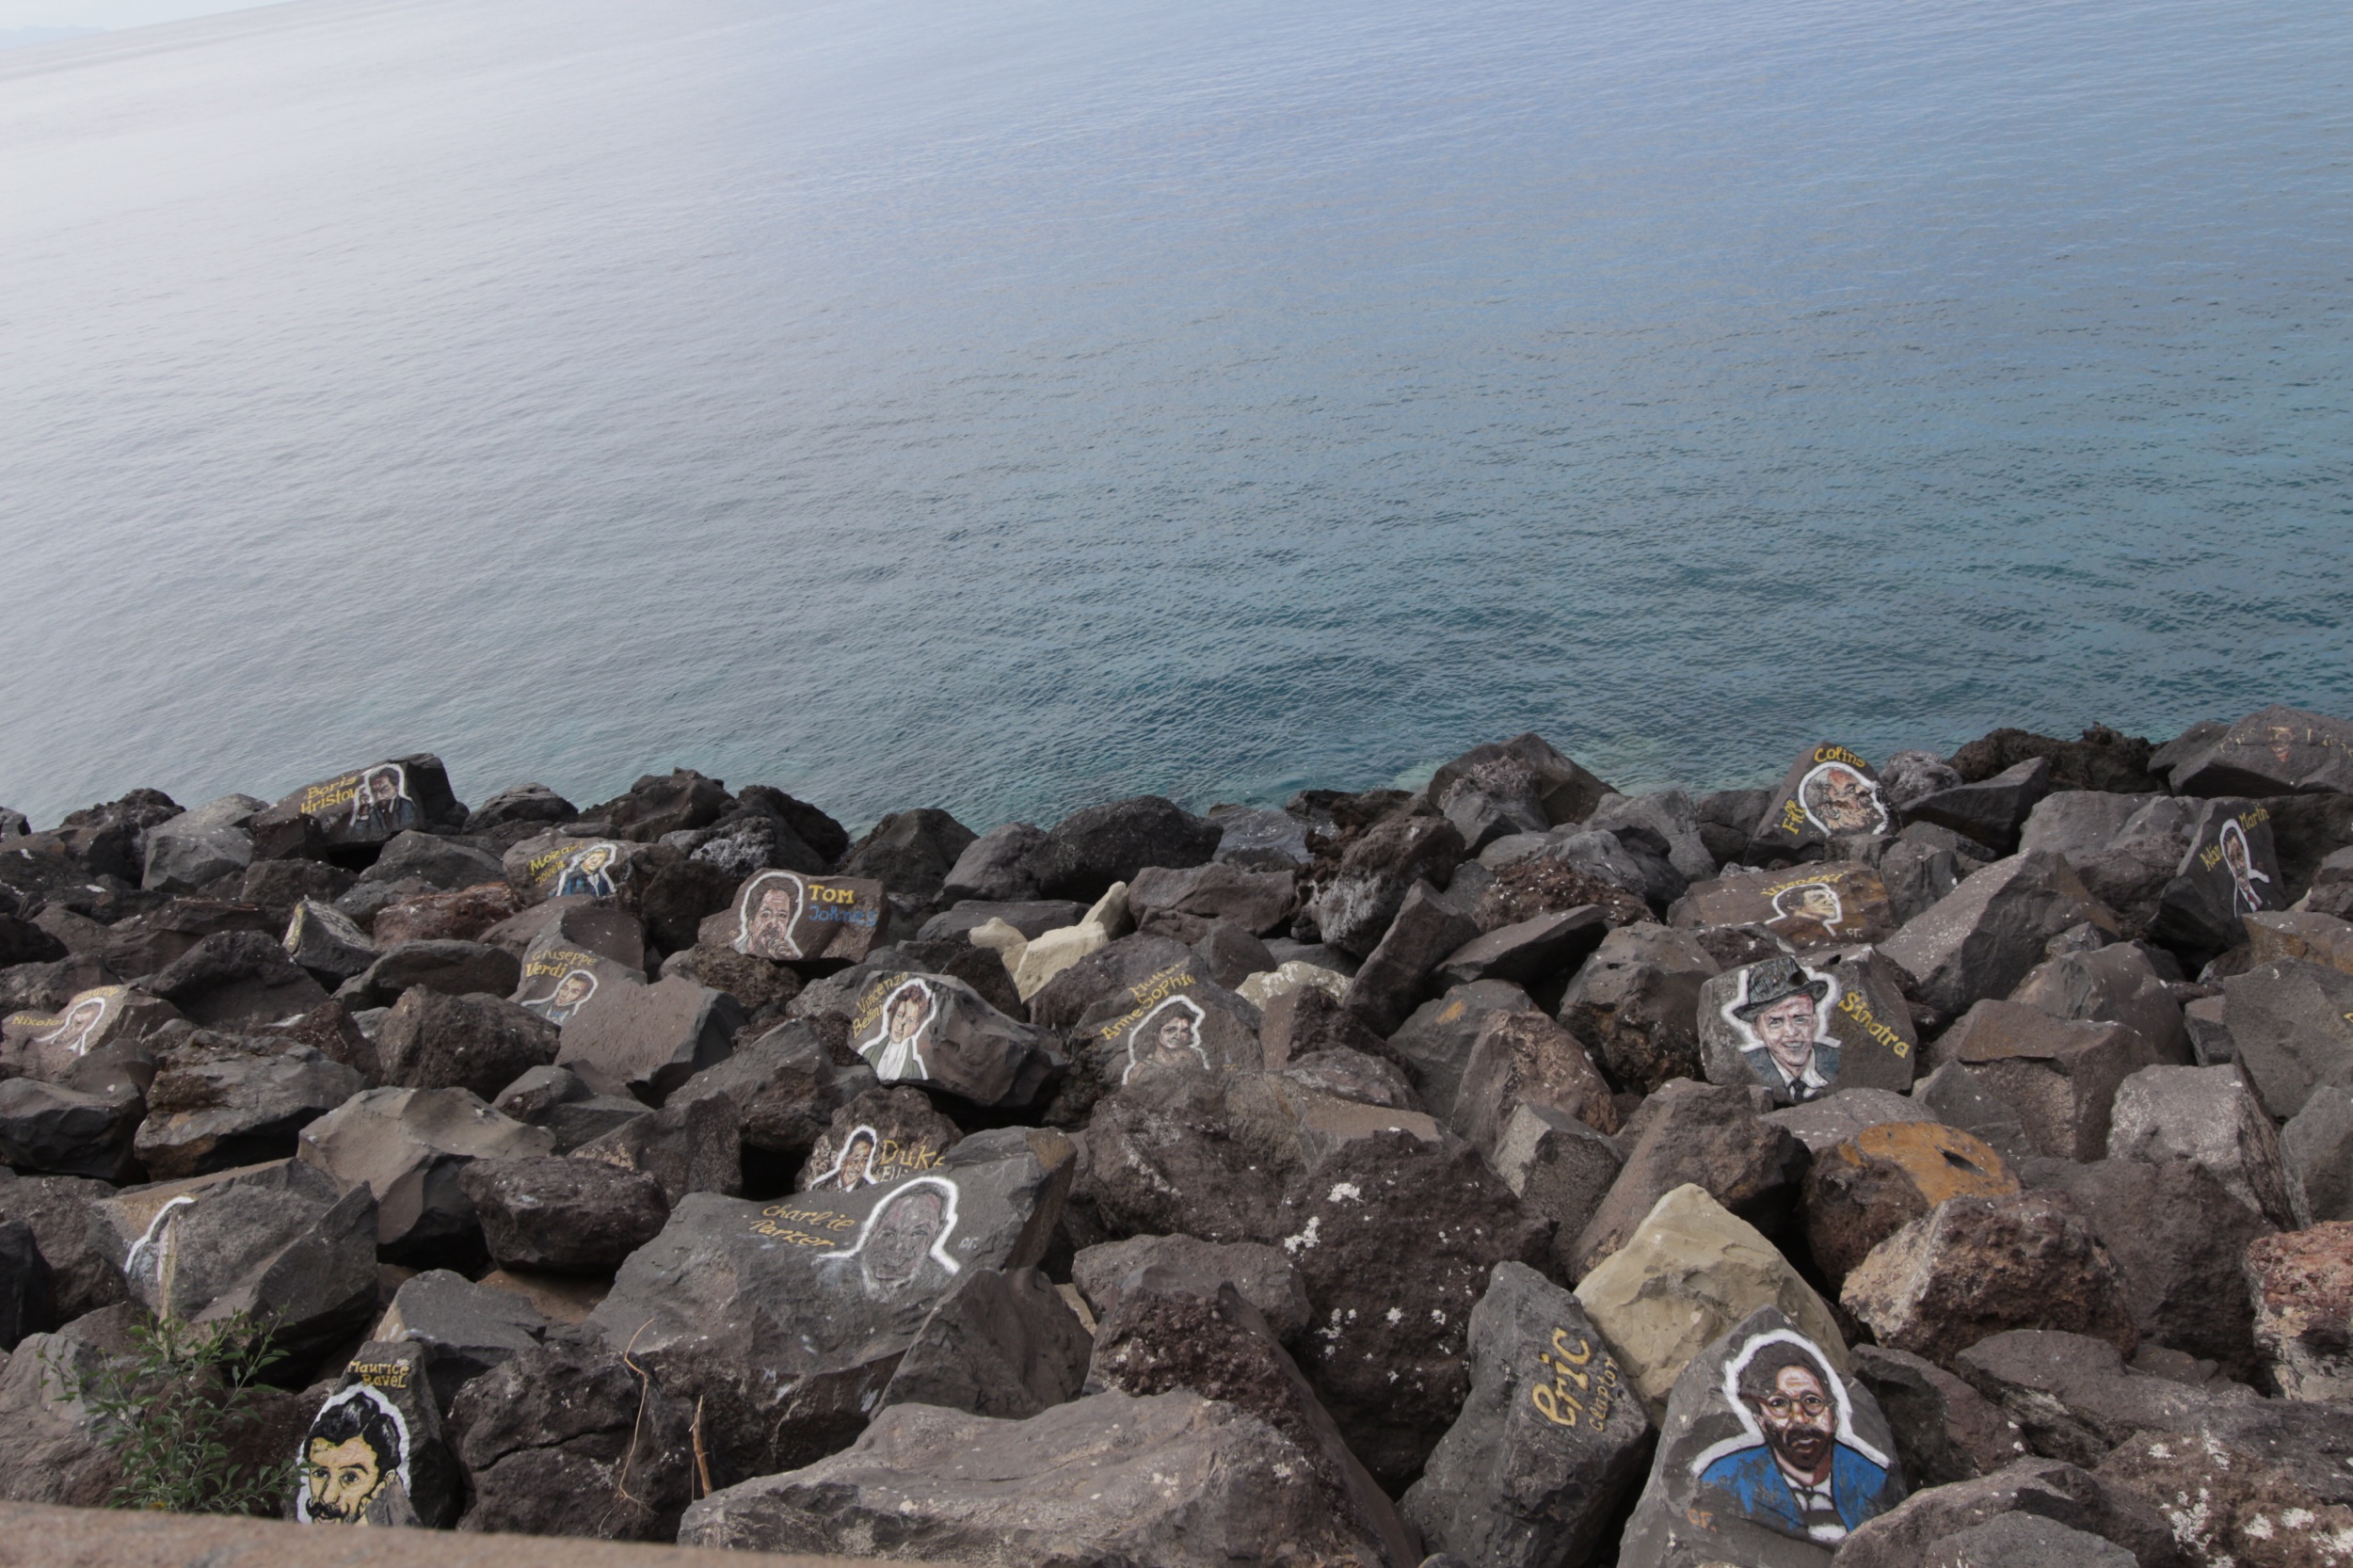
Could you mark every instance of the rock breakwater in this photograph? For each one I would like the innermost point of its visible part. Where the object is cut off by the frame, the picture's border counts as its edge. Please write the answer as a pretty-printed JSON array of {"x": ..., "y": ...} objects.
[{"x": 1947, "y": 1160}]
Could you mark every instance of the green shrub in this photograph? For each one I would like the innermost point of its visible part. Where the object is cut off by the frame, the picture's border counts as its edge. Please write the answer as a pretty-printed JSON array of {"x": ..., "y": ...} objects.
[{"x": 172, "y": 1413}]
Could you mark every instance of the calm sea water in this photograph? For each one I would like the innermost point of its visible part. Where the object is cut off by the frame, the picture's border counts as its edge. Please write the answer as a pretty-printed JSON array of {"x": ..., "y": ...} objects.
[{"x": 1006, "y": 405}]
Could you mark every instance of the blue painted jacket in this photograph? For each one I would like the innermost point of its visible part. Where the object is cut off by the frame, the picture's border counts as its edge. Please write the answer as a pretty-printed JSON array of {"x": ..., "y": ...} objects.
[{"x": 1750, "y": 1476}]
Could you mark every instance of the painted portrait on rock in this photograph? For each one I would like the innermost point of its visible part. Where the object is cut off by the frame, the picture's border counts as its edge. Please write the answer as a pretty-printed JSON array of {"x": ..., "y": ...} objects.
[
  {"x": 1798, "y": 1465},
  {"x": 937, "y": 1031},
  {"x": 902, "y": 1245},
  {"x": 1829, "y": 792},
  {"x": 1801, "y": 1027},
  {"x": 1167, "y": 1036},
  {"x": 788, "y": 918},
  {"x": 354, "y": 1464},
  {"x": 1826, "y": 904},
  {"x": 893, "y": 1047}
]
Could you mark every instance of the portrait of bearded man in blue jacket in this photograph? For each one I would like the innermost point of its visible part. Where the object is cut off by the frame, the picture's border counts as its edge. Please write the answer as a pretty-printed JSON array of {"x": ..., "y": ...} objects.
[{"x": 1806, "y": 1473}]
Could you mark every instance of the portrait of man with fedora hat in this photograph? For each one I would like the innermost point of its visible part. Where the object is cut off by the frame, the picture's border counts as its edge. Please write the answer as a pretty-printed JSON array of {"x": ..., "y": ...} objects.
[{"x": 1780, "y": 1012}]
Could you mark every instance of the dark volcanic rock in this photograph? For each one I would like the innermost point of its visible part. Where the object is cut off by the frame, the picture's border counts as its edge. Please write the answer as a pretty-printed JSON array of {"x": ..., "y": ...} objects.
[
  {"x": 2032, "y": 1488},
  {"x": 2060, "y": 1078},
  {"x": 1560, "y": 1168},
  {"x": 533, "y": 803},
  {"x": 61, "y": 1130},
  {"x": 2291, "y": 1023},
  {"x": 1550, "y": 1441},
  {"x": 433, "y": 1040},
  {"x": 1524, "y": 1057},
  {"x": 938, "y": 1031},
  {"x": 27, "y": 1300},
  {"x": 659, "y": 804},
  {"x": 561, "y": 865},
  {"x": 2279, "y": 751},
  {"x": 57, "y": 1208},
  {"x": 786, "y": 1320},
  {"x": 790, "y": 919},
  {"x": 2102, "y": 759},
  {"x": 1128, "y": 962},
  {"x": 1989, "y": 811},
  {"x": 566, "y": 1439},
  {"x": 1945, "y": 1430},
  {"x": 881, "y": 1136},
  {"x": 219, "y": 1102},
  {"x": 1174, "y": 1480},
  {"x": 911, "y": 853},
  {"x": 1759, "y": 1402},
  {"x": 2231, "y": 871},
  {"x": 648, "y": 1040},
  {"x": 689, "y": 1145},
  {"x": 1436, "y": 1043},
  {"x": 1829, "y": 792},
  {"x": 1428, "y": 927},
  {"x": 278, "y": 1240},
  {"x": 323, "y": 940},
  {"x": 1355, "y": 907},
  {"x": 1263, "y": 1274},
  {"x": 1098, "y": 845},
  {"x": 363, "y": 807},
  {"x": 462, "y": 915},
  {"x": 787, "y": 1087},
  {"x": 996, "y": 867},
  {"x": 1978, "y": 1266},
  {"x": 1708, "y": 1136},
  {"x": 1635, "y": 1004},
  {"x": 1564, "y": 792},
  {"x": 1809, "y": 908},
  {"x": 408, "y": 1146},
  {"x": 1384, "y": 1223},
  {"x": 1984, "y": 937},
  {"x": 1164, "y": 1334},
  {"x": 1000, "y": 1343},
  {"x": 574, "y": 1216},
  {"x": 239, "y": 977},
  {"x": 2179, "y": 1238},
  {"x": 453, "y": 968},
  {"x": 442, "y": 864},
  {"x": 1183, "y": 905},
  {"x": 2227, "y": 1503}
]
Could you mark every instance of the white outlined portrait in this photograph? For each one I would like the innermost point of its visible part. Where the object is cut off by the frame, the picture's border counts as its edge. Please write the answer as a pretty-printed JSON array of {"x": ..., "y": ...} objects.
[
  {"x": 1781, "y": 1017},
  {"x": 772, "y": 908},
  {"x": 1818, "y": 901},
  {"x": 567, "y": 996},
  {"x": 85, "y": 1016},
  {"x": 1837, "y": 799},
  {"x": 895, "y": 1049},
  {"x": 355, "y": 1453},
  {"x": 852, "y": 1164},
  {"x": 382, "y": 803},
  {"x": 1169, "y": 1034},
  {"x": 2238, "y": 858},
  {"x": 589, "y": 871},
  {"x": 911, "y": 1223},
  {"x": 1797, "y": 1466}
]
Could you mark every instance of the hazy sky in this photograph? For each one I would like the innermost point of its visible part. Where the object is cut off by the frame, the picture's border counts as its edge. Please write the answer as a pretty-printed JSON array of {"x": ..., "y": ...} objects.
[{"x": 110, "y": 13}]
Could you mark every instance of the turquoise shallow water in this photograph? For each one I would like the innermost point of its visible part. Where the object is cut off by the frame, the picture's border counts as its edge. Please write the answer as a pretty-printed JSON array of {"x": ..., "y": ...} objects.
[{"x": 1003, "y": 407}]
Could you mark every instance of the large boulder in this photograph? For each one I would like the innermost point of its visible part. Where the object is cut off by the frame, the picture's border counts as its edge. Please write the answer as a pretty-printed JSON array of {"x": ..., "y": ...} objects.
[
  {"x": 883, "y": 1135},
  {"x": 909, "y": 852},
  {"x": 786, "y": 1320},
  {"x": 1385, "y": 1219},
  {"x": 2206, "y": 1115},
  {"x": 1945, "y": 1430},
  {"x": 563, "y": 864},
  {"x": 1098, "y": 845},
  {"x": 2302, "y": 1288},
  {"x": 1861, "y": 1192},
  {"x": 2035, "y": 1491},
  {"x": 1172, "y": 1480},
  {"x": 453, "y": 968},
  {"x": 1428, "y": 928},
  {"x": 2228, "y": 1502},
  {"x": 1563, "y": 790},
  {"x": 326, "y": 941},
  {"x": 1435, "y": 1042},
  {"x": 1984, "y": 937},
  {"x": 67, "y": 1129},
  {"x": 1802, "y": 1031},
  {"x": 2316, "y": 1147},
  {"x": 2059, "y": 1078},
  {"x": 1355, "y": 907},
  {"x": 790, "y": 919},
  {"x": 280, "y": 1241},
  {"x": 56, "y": 1209},
  {"x": 695, "y": 1143},
  {"x": 1697, "y": 1134},
  {"x": 236, "y": 977},
  {"x": 477, "y": 1043},
  {"x": 406, "y": 1148},
  {"x": 1184, "y": 903},
  {"x": 1811, "y": 907},
  {"x": 462, "y": 915},
  {"x": 936, "y": 1032},
  {"x": 996, "y": 866},
  {"x": 2291, "y": 1023},
  {"x": 2111, "y": 984},
  {"x": 572, "y": 1216},
  {"x": 2181, "y": 1275},
  {"x": 199, "y": 847},
  {"x": 1829, "y": 794},
  {"x": 2231, "y": 871},
  {"x": 443, "y": 865},
  {"x": 217, "y": 1101},
  {"x": 1550, "y": 1440},
  {"x": 372, "y": 1453},
  {"x": 1692, "y": 1271},
  {"x": 1000, "y": 1343},
  {"x": 2279, "y": 751},
  {"x": 647, "y": 1040},
  {"x": 567, "y": 1439},
  {"x": 1978, "y": 1266},
  {"x": 1263, "y": 1274},
  {"x": 1636, "y": 1005},
  {"x": 1768, "y": 1456},
  {"x": 659, "y": 804},
  {"x": 1991, "y": 810},
  {"x": 366, "y": 807},
  {"x": 1560, "y": 1168},
  {"x": 1524, "y": 1057},
  {"x": 466, "y": 1329},
  {"x": 787, "y": 1087}
]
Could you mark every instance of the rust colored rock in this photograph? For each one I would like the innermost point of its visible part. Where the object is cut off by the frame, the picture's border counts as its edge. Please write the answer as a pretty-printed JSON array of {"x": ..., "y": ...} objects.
[
  {"x": 2302, "y": 1283},
  {"x": 1524, "y": 1057},
  {"x": 1979, "y": 1266},
  {"x": 463, "y": 915},
  {"x": 1864, "y": 1191}
]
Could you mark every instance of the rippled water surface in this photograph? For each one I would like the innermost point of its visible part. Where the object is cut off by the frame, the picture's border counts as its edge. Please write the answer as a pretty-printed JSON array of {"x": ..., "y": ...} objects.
[{"x": 1003, "y": 405}]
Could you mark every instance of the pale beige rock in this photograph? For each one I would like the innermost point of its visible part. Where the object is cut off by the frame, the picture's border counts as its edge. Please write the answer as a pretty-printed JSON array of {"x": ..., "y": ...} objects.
[
  {"x": 1002, "y": 939},
  {"x": 1049, "y": 952},
  {"x": 1692, "y": 1272},
  {"x": 1264, "y": 986}
]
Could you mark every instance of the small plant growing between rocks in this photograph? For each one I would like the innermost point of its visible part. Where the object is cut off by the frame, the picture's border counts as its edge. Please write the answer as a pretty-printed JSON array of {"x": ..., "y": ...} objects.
[{"x": 172, "y": 1412}]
